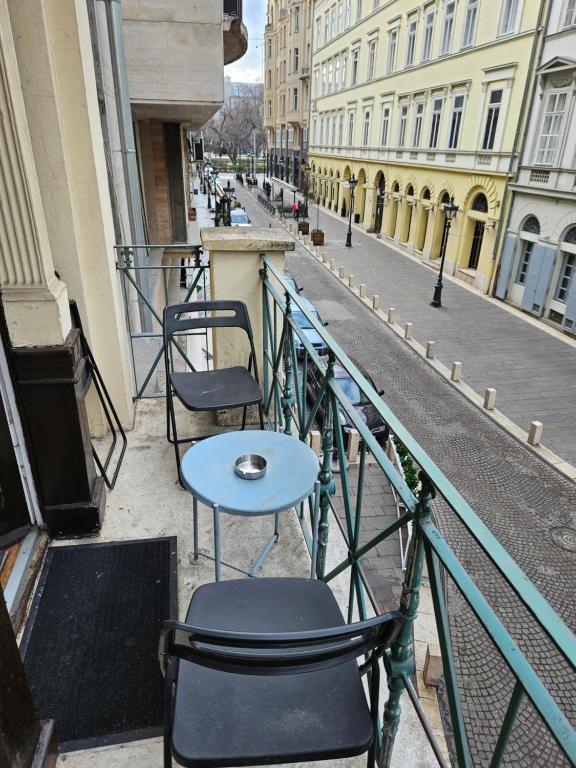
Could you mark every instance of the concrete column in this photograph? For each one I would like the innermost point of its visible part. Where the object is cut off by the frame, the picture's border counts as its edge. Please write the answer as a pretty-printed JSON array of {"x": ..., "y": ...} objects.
[
  {"x": 35, "y": 300},
  {"x": 235, "y": 263}
]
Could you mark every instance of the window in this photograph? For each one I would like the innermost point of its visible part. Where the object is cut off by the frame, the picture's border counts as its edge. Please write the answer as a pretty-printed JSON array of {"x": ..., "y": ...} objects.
[
  {"x": 411, "y": 48},
  {"x": 321, "y": 131},
  {"x": 392, "y": 44},
  {"x": 316, "y": 83},
  {"x": 531, "y": 224},
  {"x": 402, "y": 126},
  {"x": 419, "y": 116},
  {"x": 290, "y": 137},
  {"x": 428, "y": 34},
  {"x": 527, "y": 246},
  {"x": 269, "y": 108},
  {"x": 456, "y": 121},
  {"x": 355, "y": 58},
  {"x": 551, "y": 128},
  {"x": 347, "y": 15},
  {"x": 269, "y": 79},
  {"x": 570, "y": 14},
  {"x": 508, "y": 18},
  {"x": 318, "y": 33},
  {"x": 371, "y": 59},
  {"x": 304, "y": 136},
  {"x": 358, "y": 10},
  {"x": 366, "y": 132},
  {"x": 385, "y": 126},
  {"x": 333, "y": 142},
  {"x": 326, "y": 27},
  {"x": 340, "y": 17},
  {"x": 296, "y": 59},
  {"x": 297, "y": 19},
  {"x": 566, "y": 276},
  {"x": 435, "y": 122},
  {"x": 269, "y": 48},
  {"x": 350, "y": 128},
  {"x": 492, "y": 119},
  {"x": 330, "y": 77},
  {"x": 324, "y": 74},
  {"x": 470, "y": 24},
  {"x": 447, "y": 28},
  {"x": 337, "y": 75},
  {"x": 344, "y": 68},
  {"x": 341, "y": 130},
  {"x": 314, "y": 122},
  {"x": 333, "y": 23},
  {"x": 295, "y": 99}
]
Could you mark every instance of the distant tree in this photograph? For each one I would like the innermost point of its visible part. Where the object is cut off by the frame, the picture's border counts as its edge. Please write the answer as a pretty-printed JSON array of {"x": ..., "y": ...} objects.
[{"x": 239, "y": 123}]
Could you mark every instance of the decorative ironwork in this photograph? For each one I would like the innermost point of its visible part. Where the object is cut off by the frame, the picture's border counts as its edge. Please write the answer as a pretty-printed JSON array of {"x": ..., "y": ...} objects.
[
  {"x": 570, "y": 236},
  {"x": 531, "y": 224}
]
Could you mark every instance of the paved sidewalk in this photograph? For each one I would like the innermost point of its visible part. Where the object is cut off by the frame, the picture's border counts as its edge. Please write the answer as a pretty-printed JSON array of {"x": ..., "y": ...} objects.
[{"x": 533, "y": 371}]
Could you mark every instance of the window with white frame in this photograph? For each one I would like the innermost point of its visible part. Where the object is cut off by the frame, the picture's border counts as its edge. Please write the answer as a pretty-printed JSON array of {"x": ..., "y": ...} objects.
[
  {"x": 566, "y": 276},
  {"x": 324, "y": 78},
  {"x": 296, "y": 59},
  {"x": 333, "y": 142},
  {"x": 494, "y": 105},
  {"x": 344, "y": 69},
  {"x": 371, "y": 59},
  {"x": 305, "y": 136},
  {"x": 366, "y": 130},
  {"x": 551, "y": 129},
  {"x": 316, "y": 83},
  {"x": 435, "y": 122},
  {"x": 350, "y": 129},
  {"x": 297, "y": 19},
  {"x": 269, "y": 48},
  {"x": 402, "y": 125},
  {"x": 278, "y": 137},
  {"x": 314, "y": 125},
  {"x": 470, "y": 21},
  {"x": 337, "y": 75},
  {"x": 358, "y": 10},
  {"x": 321, "y": 140},
  {"x": 341, "y": 129},
  {"x": 418, "y": 120},
  {"x": 290, "y": 137},
  {"x": 526, "y": 252},
  {"x": 295, "y": 99},
  {"x": 569, "y": 17},
  {"x": 333, "y": 23},
  {"x": 347, "y": 14},
  {"x": 318, "y": 33},
  {"x": 330, "y": 76},
  {"x": 429, "y": 19},
  {"x": 269, "y": 107},
  {"x": 508, "y": 17},
  {"x": 269, "y": 78},
  {"x": 392, "y": 46},
  {"x": 456, "y": 121},
  {"x": 385, "y": 126},
  {"x": 355, "y": 62},
  {"x": 447, "y": 27},
  {"x": 340, "y": 17},
  {"x": 326, "y": 27},
  {"x": 411, "y": 45}
]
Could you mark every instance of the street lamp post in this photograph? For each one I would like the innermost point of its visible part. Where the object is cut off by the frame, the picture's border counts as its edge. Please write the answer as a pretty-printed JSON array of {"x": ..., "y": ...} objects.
[
  {"x": 352, "y": 181},
  {"x": 450, "y": 211}
]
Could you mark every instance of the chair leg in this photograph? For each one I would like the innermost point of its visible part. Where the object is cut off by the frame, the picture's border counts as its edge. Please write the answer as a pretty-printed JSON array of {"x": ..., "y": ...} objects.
[
  {"x": 374, "y": 700},
  {"x": 261, "y": 414},
  {"x": 217, "y": 541},
  {"x": 195, "y": 515},
  {"x": 244, "y": 411},
  {"x": 168, "y": 712},
  {"x": 170, "y": 401}
]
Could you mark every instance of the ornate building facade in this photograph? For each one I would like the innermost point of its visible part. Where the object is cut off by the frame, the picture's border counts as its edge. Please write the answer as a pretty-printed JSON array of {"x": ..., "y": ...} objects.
[
  {"x": 538, "y": 261},
  {"x": 421, "y": 103},
  {"x": 287, "y": 57}
]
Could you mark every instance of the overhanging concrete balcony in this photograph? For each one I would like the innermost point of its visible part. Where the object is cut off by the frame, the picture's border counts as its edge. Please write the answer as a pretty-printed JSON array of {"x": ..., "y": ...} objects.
[
  {"x": 235, "y": 33},
  {"x": 175, "y": 57}
]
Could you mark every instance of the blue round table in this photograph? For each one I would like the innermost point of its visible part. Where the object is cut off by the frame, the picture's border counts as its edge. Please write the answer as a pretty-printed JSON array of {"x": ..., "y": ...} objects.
[{"x": 291, "y": 476}]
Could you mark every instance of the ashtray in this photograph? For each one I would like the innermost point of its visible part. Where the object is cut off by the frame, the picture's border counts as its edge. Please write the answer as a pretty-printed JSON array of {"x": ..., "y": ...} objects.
[{"x": 251, "y": 466}]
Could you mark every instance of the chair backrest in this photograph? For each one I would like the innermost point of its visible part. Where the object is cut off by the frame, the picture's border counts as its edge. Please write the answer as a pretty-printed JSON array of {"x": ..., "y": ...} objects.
[
  {"x": 277, "y": 654},
  {"x": 176, "y": 321}
]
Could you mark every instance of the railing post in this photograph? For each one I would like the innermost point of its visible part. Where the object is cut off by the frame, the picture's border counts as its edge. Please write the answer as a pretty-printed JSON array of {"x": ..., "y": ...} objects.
[
  {"x": 288, "y": 396},
  {"x": 327, "y": 483},
  {"x": 401, "y": 659}
]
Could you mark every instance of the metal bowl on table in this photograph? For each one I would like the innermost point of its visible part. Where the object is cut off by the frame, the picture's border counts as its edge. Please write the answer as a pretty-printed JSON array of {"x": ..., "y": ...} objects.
[{"x": 250, "y": 466}]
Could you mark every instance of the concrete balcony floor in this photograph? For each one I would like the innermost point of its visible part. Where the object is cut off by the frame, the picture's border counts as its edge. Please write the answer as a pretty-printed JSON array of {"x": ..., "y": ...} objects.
[{"x": 147, "y": 502}]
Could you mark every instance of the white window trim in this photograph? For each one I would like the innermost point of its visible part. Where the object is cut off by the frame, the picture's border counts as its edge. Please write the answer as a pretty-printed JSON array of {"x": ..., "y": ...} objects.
[
  {"x": 563, "y": 133},
  {"x": 464, "y": 45},
  {"x": 453, "y": 98},
  {"x": 514, "y": 30},
  {"x": 431, "y": 10}
]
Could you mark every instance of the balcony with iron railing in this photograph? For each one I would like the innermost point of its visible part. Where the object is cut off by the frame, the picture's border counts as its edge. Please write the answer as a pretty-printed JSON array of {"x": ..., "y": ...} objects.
[
  {"x": 472, "y": 680},
  {"x": 235, "y": 33}
]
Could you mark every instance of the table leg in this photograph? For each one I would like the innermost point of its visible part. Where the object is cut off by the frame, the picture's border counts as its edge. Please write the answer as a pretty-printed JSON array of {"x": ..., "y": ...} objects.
[
  {"x": 315, "y": 525},
  {"x": 217, "y": 541},
  {"x": 195, "y": 515},
  {"x": 277, "y": 525}
]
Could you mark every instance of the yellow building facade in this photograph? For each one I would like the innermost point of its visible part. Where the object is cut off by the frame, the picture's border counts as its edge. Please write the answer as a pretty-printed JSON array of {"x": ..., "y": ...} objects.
[{"x": 422, "y": 102}]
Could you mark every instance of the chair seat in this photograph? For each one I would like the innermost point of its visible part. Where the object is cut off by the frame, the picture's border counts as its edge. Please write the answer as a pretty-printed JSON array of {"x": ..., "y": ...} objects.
[
  {"x": 216, "y": 390},
  {"x": 226, "y": 719}
]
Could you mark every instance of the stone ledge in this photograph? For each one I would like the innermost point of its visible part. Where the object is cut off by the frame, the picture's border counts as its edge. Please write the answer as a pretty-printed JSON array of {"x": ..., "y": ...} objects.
[{"x": 258, "y": 239}]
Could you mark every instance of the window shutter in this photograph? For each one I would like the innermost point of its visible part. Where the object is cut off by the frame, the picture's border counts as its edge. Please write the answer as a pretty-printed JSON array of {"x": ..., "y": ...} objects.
[
  {"x": 506, "y": 263},
  {"x": 569, "y": 322},
  {"x": 538, "y": 279}
]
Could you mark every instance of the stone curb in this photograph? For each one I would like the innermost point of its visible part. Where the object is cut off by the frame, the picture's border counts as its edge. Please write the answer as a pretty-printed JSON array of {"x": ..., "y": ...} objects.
[{"x": 565, "y": 468}]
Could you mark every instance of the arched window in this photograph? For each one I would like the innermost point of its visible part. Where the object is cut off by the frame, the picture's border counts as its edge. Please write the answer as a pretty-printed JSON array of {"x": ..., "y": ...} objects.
[
  {"x": 480, "y": 203},
  {"x": 426, "y": 194},
  {"x": 410, "y": 190},
  {"x": 532, "y": 225},
  {"x": 445, "y": 198},
  {"x": 396, "y": 187},
  {"x": 570, "y": 236}
]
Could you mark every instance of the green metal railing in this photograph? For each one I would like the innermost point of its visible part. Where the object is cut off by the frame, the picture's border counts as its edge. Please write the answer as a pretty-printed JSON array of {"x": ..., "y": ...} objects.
[
  {"x": 148, "y": 288},
  {"x": 291, "y": 405}
]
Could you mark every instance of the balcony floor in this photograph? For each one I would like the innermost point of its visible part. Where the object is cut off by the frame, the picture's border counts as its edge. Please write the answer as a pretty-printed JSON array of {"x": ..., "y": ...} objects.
[{"x": 146, "y": 503}]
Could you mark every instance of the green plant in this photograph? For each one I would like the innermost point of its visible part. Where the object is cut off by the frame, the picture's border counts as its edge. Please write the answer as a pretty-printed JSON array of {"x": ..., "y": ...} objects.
[{"x": 408, "y": 465}]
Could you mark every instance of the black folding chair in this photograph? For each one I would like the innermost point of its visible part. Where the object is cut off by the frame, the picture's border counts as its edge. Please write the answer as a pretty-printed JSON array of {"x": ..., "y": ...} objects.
[
  {"x": 234, "y": 689},
  {"x": 223, "y": 389}
]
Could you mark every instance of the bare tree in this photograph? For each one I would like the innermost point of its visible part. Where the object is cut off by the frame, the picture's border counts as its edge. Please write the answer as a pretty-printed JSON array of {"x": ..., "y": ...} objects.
[{"x": 239, "y": 125}]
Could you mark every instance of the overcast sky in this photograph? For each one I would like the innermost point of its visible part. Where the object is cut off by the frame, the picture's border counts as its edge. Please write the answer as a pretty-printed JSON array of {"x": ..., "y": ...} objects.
[{"x": 248, "y": 69}]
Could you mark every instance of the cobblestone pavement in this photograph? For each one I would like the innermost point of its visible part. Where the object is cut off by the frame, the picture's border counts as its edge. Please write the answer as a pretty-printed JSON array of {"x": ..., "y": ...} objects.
[
  {"x": 529, "y": 506},
  {"x": 533, "y": 372}
]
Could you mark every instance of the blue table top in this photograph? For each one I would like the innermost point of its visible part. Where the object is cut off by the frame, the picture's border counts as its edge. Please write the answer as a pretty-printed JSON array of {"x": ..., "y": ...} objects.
[{"x": 208, "y": 472}]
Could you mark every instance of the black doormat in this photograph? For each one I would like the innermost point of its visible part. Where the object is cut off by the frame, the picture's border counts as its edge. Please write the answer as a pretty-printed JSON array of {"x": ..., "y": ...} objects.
[{"x": 90, "y": 646}]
